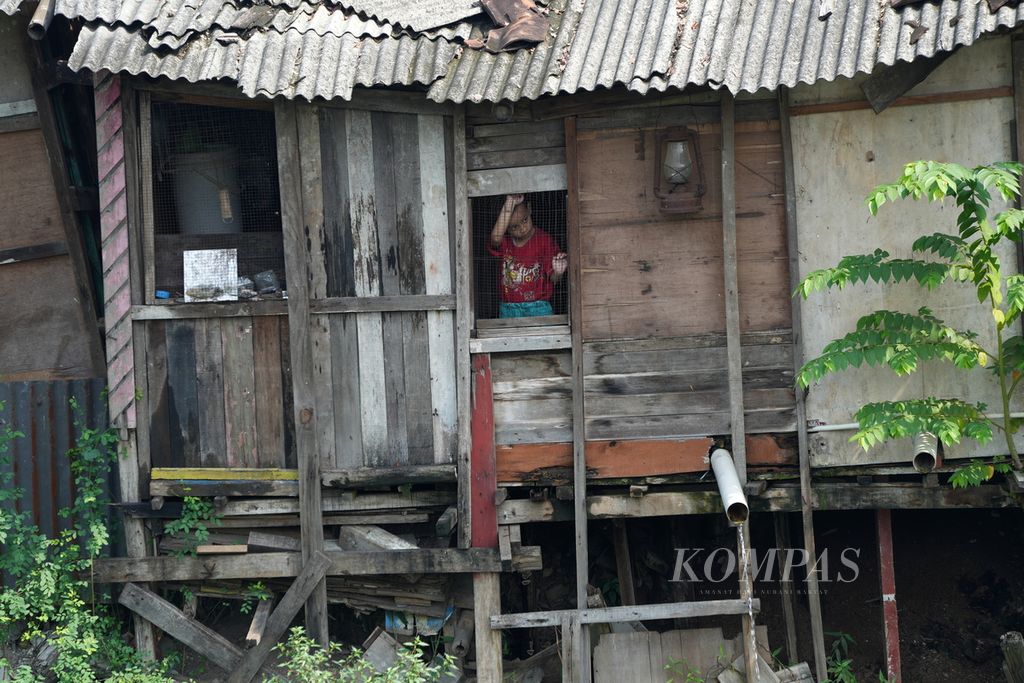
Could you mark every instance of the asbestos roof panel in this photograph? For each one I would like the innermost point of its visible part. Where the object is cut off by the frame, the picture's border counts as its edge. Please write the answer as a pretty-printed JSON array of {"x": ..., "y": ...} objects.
[
  {"x": 10, "y": 6},
  {"x": 419, "y": 15},
  {"x": 290, "y": 63},
  {"x": 742, "y": 45}
]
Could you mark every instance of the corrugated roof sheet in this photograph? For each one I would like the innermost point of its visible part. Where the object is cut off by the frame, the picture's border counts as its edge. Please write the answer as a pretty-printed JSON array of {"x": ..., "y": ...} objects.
[
  {"x": 271, "y": 63},
  {"x": 419, "y": 15},
  {"x": 742, "y": 45},
  {"x": 314, "y": 49},
  {"x": 10, "y": 6}
]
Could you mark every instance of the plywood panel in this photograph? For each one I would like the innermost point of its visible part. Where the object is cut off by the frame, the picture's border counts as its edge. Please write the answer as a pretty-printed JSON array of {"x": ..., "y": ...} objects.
[
  {"x": 31, "y": 215},
  {"x": 651, "y": 274},
  {"x": 269, "y": 390},
  {"x": 210, "y": 393}
]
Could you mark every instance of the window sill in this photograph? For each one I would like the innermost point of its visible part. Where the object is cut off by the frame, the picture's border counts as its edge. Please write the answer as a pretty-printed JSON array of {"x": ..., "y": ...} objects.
[
  {"x": 554, "y": 337},
  {"x": 211, "y": 309}
]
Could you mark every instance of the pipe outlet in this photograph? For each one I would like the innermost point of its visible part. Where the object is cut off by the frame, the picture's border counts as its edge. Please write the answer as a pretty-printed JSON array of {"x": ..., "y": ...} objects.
[
  {"x": 734, "y": 501},
  {"x": 926, "y": 452}
]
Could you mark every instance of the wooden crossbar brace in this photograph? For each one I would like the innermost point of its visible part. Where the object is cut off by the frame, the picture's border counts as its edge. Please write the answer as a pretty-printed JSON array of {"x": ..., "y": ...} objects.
[{"x": 618, "y": 615}]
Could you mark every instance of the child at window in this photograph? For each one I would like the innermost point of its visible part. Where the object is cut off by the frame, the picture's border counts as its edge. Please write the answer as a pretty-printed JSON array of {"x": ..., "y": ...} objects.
[{"x": 531, "y": 262}]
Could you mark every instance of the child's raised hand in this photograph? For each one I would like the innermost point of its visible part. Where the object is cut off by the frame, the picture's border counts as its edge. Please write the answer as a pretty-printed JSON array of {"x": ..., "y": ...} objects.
[{"x": 559, "y": 263}]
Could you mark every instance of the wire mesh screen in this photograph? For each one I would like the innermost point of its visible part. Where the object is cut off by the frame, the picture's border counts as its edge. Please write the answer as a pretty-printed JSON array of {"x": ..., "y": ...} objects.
[
  {"x": 529, "y": 268},
  {"x": 215, "y": 191}
]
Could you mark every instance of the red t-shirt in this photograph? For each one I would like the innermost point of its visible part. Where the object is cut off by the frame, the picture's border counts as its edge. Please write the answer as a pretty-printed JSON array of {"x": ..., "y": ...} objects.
[{"x": 525, "y": 273}]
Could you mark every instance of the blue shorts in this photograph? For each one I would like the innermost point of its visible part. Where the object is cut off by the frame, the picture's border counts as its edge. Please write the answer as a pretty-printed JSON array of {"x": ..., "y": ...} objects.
[{"x": 525, "y": 309}]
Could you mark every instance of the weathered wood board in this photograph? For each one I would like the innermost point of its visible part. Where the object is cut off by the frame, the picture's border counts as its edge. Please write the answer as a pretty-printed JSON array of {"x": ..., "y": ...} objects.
[
  {"x": 647, "y": 273},
  {"x": 219, "y": 392}
]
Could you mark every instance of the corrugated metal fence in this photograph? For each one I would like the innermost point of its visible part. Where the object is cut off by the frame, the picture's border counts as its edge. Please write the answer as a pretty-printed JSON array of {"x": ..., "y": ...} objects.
[{"x": 42, "y": 411}]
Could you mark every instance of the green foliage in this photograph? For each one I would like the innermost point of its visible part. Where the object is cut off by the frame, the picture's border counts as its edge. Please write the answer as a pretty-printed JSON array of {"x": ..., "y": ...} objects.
[
  {"x": 193, "y": 527},
  {"x": 306, "y": 662},
  {"x": 682, "y": 672},
  {"x": 978, "y": 472},
  {"x": 51, "y": 600},
  {"x": 255, "y": 592},
  {"x": 840, "y": 665},
  {"x": 902, "y": 341}
]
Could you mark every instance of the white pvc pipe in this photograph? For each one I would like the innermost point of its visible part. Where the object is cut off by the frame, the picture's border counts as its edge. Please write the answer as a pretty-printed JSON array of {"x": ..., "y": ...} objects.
[
  {"x": 853, "y": 426},
  {"x": 734, "y": 501}
]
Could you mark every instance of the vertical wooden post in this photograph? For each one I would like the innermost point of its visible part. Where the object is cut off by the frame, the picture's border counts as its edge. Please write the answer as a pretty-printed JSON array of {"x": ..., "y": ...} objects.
[
  {"x": 623, "y": 565},
  {"x": 806, "y": 497},
  {"x": 487, "y": 601},
  {"x": 484, "y": 522},
  {"x": 463, "y": 322},
  {"x": 732, "y": 336},
  {"x": 295, "y": 221},
  {"x": 579, "y": 436},
  {"x": 782, "y": 543},
  {"x": 887, "y": 574}
]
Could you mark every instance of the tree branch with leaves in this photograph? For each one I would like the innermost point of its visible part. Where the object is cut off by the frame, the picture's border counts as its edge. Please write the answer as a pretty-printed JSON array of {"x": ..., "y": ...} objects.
[{"x": 901, "y": 341}]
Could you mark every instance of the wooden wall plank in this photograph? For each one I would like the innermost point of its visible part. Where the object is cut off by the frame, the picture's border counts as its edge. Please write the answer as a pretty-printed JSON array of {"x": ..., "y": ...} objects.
[
  {"x": 389, "y": 248},
  {"x": 372, "y": 394},
  {"x": 183, "y": 416},
  {"x": 239, "y": 393},
  {"x": 412, "y": 278},
  {"x": 287, "y": 399},
  {"x": 314, "y": 220},
  {"x": 267, "y": 359},
  {"x": 338, "y": 245},
  {"x": 348, "y": 422},
  {"x": 296, "y": 249},
  {"x": 483, "y": 482},
  {"x": 464, "y": 317},
  {"x": 159, "y": 399},
  {"x": 438, "y": 268},
  {"x": 611, "y": 459},
  {"x": 210, "y": 393}
]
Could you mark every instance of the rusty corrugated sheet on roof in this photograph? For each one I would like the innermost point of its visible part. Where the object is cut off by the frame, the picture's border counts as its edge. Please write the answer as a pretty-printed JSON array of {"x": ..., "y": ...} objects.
[
  {"x": 42, "y": 412},
  {"x": 736, "y": 44},
  {"x": 640, "y": 44}
]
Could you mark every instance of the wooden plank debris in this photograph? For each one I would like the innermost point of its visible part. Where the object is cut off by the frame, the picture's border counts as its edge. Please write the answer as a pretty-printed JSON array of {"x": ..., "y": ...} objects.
[
  {"x": 370, "y": 538},
  {"x": 612, "y": 615},
  {"x": 190, "y": 632},
  {"x": 259, "y": 622},
  {"x": 280, "y": 619}
]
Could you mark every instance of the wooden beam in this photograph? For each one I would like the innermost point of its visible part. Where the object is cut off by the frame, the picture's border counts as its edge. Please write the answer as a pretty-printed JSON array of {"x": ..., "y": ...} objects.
[
  {"x": 579, "y": 432},
  {"x": 224, "y": 474},
  {"x": 511, "y": 344},
  {"x": 463, "y": 325},
  {"x": 484, "y": 484},
  {"x": 383, "y": 304},
  {"x": 806, "y": 492},
  {"x": 619, "y": 615},
  {"x": 223, "y": 309},
  {"x": 910, "y": 101},
  {"x": 605, "y": 459},
  {"x": 259, "y": 622},
  {"x": 887, "y": 577},
  {"x": 486, "y": 605},
  {"x": 297, "y": 222},
  {"x": 31, "y": 253},
  {"x": 623, "y": 563},
  {"x": 389, "y": 476},
  {"x": 313, "y": 573},
  {"x": 281, "y": 565},
  {"x": 172, "y": 621},
  {"x": 781, "y": 520}
]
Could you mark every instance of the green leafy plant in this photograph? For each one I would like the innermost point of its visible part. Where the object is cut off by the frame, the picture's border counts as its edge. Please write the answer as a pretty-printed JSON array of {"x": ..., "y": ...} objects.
[
  {"x": 682, "y": 672},
  {"x": 306, "y": 662},
  {"x": 49, "y": 605},
  {"x": 901, "y": 341},
  {"x": 839, "y": 663},
  {"x": 254, "y": 592},
  {"x": 193, "y": 527}
]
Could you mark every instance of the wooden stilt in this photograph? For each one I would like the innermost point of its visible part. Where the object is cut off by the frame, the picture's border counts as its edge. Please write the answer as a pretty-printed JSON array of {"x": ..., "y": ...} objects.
[
  {"x": 786, "y": 593},
  {"x": 487, "y": 602},
  {"x": 887, "y": 573},
  {"x": 622, "y": 563}
]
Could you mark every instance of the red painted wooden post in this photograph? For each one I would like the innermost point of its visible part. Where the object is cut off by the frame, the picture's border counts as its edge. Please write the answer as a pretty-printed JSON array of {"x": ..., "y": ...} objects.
[
  {"x": 484, "y": 487},
  {"x": 887, "y": 573}
]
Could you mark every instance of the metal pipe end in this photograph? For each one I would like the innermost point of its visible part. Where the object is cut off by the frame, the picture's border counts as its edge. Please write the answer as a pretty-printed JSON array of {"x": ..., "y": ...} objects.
[
  {"x": 926, "y": 453},
  {"x": 41, "y": 19},
  {"x": 737, "y": 513}
]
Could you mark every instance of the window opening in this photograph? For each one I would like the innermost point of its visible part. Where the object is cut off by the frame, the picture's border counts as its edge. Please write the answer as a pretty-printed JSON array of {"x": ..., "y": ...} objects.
[
  {"x": 520, "y": 273},
  {"x": 215, "y": 187}
]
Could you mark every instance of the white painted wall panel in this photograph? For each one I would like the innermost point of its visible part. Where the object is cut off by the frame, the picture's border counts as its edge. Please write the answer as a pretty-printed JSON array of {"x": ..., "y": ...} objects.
[{"x": 833, "y": 175}]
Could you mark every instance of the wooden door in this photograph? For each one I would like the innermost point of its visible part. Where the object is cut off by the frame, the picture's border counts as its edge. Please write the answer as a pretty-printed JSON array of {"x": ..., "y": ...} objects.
[{"x": 376, "y": 244}]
